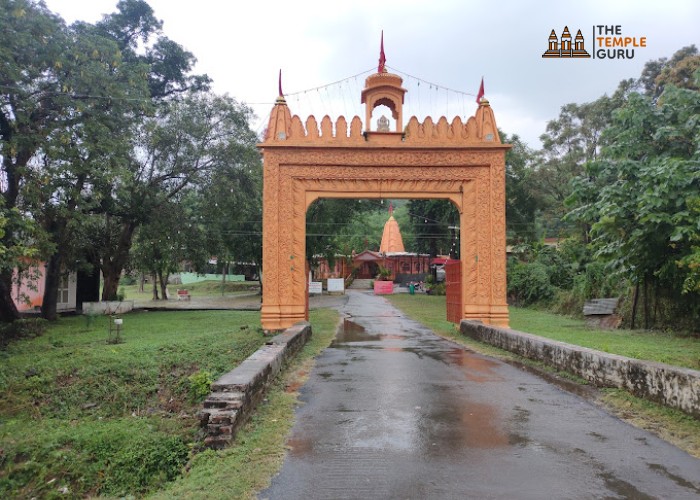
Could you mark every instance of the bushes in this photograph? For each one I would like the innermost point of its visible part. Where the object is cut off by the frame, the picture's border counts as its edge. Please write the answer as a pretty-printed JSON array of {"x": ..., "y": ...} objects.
[
  {"x": 21, "y": 328},
  {"x": 528, "y": 283},
  {"x": 560, "y": 278}
]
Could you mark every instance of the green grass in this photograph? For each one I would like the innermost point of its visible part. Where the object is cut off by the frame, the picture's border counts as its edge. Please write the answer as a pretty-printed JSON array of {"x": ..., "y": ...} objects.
[
  {"x": 200, "y": 289},
  {"x": 245, "y": 468},
  {"x": 91, "y": 419},
  {"x": 664, "y": 347}
]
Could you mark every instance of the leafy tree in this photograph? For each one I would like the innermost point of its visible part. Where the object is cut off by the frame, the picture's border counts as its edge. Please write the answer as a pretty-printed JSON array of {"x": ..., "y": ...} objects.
[
  {"x": 138, "y": 33},
  {"x": 679, "y": 71},
  {"x": 32, "y": 41},
  {"x": 570, "y": 141},
  {"x": 169, "y": 238},
  {"x": 522, "y": 195},
  {"x": 325, "y": 220},
  {"x": 644, "y": 217},
  {"x": 431, "y": 221},
  {"x": 230, "y": 206},
  {"x": 79, "y": 160},
  {"x": 183, "y": 146}
]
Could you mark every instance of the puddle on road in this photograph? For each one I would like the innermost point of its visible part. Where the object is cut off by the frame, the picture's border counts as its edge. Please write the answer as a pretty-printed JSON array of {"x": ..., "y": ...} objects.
[
  {"x": 676, "y": 479},
  {"x": 352, "y": 332},
  {"x": 476, "y": 368}
]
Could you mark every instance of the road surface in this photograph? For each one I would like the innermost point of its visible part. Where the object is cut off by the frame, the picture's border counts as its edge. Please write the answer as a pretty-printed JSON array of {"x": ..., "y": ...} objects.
[{"x": 393, "y": 411}]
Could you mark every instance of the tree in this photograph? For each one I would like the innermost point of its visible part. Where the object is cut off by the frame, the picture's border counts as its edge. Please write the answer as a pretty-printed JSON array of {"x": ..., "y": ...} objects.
[
  {"x": 325, "y": 220},
  {"x": 32, "y": 106},
  {"x": 644, "y": 213},
  {"x": 108, "y": 95},
  {"x": 432, "y": 221},
  {"x": 171, "y": 237},
  {"x": 522, "y": 196},
  {"x": 184, "y": 145},
  {"x": 678, "y": 71},
  {"x": 570, "y": 141},
  {"x": 230, "y": 206}
]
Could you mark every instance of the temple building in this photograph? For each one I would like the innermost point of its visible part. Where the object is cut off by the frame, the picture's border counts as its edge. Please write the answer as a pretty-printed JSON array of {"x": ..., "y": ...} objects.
[{"x": 403, "y": 266}]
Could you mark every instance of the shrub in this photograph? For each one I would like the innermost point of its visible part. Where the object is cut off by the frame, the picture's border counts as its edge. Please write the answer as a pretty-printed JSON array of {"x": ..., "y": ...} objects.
[
  {"x": 22, "y": 328},
  {"x": 199, "y": 385},
  {"x": 127, "y": 280},
  {"x": 528, "y": 282}
]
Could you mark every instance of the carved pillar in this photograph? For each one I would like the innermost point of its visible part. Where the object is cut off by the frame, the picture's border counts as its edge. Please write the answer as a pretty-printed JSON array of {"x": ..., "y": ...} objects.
[{"x": 498, "y": 299}]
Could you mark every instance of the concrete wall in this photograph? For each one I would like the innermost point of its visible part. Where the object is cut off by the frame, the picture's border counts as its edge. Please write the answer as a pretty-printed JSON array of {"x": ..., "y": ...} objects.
[
  {"x": 665, "y": 384},
  {"x": 108, "y": 307},
  {"x": 235, "y": 394}
]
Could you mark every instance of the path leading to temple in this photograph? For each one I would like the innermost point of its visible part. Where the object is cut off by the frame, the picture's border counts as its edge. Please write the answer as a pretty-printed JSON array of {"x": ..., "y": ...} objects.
[{"x": 393, "y": 411}]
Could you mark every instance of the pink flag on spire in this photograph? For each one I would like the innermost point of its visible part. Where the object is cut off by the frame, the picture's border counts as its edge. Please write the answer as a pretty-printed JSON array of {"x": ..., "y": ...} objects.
[
  {"x": 480, "y": 94},
  {"x": 280, "y": 84},
  {"x": 382, "y": 57},
  {"x": 391, "y": 208}
]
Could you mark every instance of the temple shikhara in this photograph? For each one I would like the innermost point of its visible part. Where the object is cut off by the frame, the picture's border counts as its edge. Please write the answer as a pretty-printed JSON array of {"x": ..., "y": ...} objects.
[
  {"x": 403, "y": 266},
  {"x": 461, "y": 161}
]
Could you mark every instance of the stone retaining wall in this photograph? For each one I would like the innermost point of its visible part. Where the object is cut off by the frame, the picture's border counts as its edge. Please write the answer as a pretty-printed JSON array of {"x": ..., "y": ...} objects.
[
  {"x": 665, "y": 384},
  {"x": 235, "y": 394}
]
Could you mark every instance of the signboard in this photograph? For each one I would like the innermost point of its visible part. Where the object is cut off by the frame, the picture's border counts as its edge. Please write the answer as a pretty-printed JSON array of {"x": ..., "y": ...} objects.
[
  {"x": 316, "y": 287},
  {"x": 383, "y": 287},
  {"x": 336, "y": 285}
]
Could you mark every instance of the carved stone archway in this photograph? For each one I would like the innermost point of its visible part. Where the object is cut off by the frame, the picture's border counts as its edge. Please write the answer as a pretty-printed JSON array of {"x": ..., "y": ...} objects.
[{"x": 461, "y": 162}]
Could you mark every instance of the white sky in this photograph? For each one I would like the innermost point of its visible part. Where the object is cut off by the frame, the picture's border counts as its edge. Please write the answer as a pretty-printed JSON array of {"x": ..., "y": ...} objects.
[{"x": 242, "y": 46}]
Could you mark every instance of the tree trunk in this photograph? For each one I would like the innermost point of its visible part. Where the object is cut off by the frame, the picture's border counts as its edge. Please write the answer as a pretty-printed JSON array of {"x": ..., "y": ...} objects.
[
  {"x": 646, "y": 304},
  {"x": 154, "y": 278},
  {"x": 258, "y": 267},
  {"x": 163, "y": 280},
  {"x": 51, "y": 281},
  {"x": 8, "y": 308},
  {"x": 635, "y": 301},
  {"x": 224, "y": 272},
  {"x": 113, "y": 266}
]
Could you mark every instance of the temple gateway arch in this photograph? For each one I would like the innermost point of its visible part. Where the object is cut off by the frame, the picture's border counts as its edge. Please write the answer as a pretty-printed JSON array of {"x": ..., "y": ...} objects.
[{"x": 461, "y": 162}]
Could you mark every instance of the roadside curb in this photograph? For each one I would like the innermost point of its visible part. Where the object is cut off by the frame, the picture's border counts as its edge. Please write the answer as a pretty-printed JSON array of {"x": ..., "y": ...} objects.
[
  {"x": 672, "y": 386},
  {"x": 235, "y": 395}
]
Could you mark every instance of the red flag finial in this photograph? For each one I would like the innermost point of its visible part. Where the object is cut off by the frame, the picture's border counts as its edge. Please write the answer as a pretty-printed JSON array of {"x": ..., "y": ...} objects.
[
  {"x": 280, "y": 84},
  {"x": 480, "y": 94},
  {"x": 391, "y": 209},
  {"x": 382, "y": 57}
]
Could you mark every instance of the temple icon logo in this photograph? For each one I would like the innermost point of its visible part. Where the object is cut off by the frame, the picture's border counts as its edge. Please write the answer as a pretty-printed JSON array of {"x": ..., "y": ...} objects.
[{"x": 564, "y": 47}]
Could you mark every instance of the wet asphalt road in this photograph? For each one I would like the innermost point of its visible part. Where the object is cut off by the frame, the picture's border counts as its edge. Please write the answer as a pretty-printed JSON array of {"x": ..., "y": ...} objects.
[{"x": 392, "y": 411}]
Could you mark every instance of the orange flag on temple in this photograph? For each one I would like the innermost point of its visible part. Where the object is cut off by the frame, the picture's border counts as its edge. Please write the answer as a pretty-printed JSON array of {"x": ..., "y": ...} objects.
[
  {"x": 382, "y": 57},
  {"x": 480, "y": 94}
]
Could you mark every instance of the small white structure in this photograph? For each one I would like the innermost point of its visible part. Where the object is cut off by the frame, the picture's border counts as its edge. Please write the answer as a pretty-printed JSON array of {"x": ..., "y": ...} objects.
[{"x": 336, "y": 285}]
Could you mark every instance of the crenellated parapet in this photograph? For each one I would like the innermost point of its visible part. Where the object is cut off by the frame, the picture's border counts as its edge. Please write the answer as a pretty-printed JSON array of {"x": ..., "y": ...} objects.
[{"x": 478, "y": 129}]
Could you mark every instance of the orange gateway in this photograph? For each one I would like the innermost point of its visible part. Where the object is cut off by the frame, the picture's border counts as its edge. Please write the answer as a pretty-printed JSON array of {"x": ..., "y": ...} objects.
[{"x": 461, "y": 162}]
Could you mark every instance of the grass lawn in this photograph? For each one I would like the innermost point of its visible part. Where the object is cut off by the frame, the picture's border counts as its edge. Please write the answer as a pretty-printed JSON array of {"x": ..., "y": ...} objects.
[
  {"x": 80, "y": 417},
  {"x": 664, "y": 347},
  {"x": 672, "y": 425},
  {"x": 246, "y": 468},
  {"x": 201, "y": 289}
]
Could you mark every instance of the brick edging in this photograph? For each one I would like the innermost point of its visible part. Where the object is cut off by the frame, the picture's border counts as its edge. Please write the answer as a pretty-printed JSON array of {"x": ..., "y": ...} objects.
[
  {"x": 234, "y": 396},
  {"x": 669, "y": 385}
]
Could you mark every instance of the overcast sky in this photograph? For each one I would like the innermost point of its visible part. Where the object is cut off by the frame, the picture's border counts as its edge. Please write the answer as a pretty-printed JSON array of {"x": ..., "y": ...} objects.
[{"x": 242, "y": 46}]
